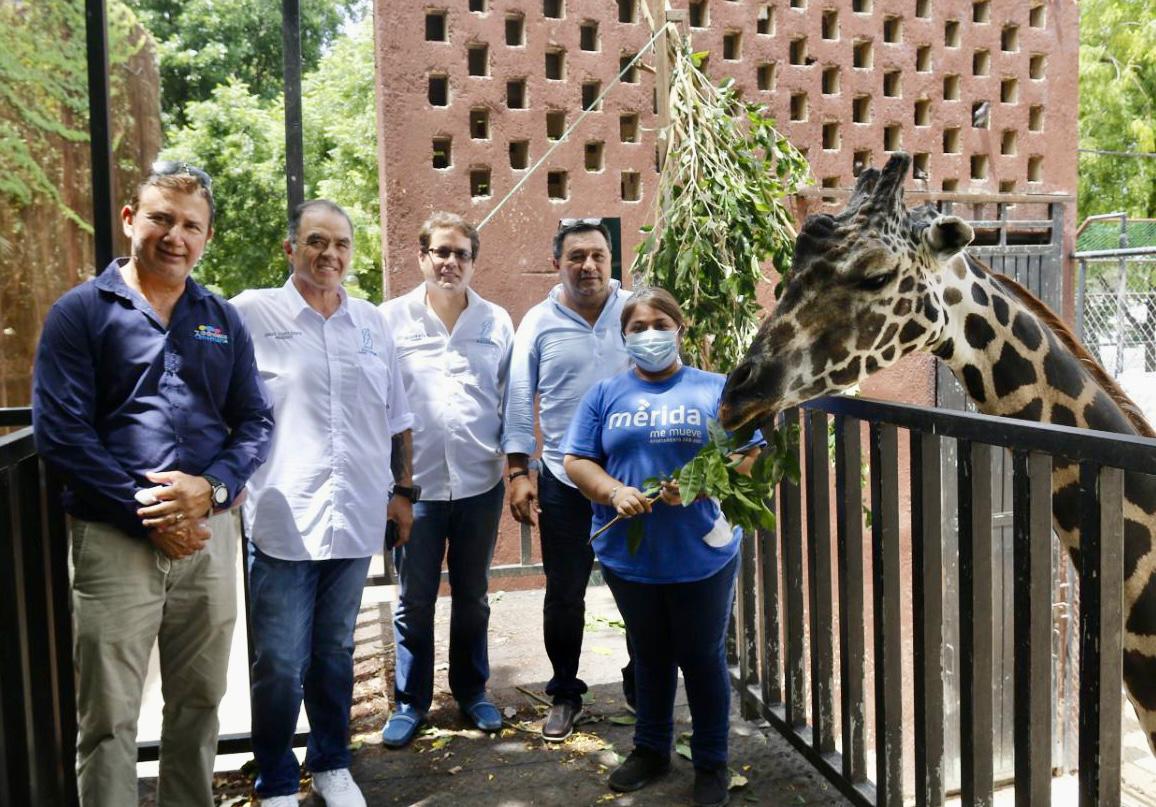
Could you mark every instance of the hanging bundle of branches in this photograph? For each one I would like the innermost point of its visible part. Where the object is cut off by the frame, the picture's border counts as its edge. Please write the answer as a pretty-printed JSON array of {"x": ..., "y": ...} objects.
[{"x": 720, "y": 210}]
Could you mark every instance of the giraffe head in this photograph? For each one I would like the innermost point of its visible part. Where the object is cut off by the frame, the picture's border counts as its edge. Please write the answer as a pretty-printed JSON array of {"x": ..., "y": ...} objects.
[{"x": 863, "y": 292}]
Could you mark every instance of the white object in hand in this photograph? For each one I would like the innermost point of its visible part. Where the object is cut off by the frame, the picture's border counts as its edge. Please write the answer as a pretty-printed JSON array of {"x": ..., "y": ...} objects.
[{"x": 148, "y": 496}]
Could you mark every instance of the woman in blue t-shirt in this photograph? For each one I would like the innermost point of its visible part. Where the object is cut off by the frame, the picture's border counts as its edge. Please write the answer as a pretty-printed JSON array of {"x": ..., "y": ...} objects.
[{"x": 675, "y": 593}]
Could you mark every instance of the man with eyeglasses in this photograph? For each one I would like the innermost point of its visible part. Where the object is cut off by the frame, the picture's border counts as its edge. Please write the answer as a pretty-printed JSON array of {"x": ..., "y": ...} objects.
[
  {"x": 564, "y": 345},
  {"x": 454, "y": 351},
  {"x": 146, "y": 400},
  {"x": 318, "y": 509}
]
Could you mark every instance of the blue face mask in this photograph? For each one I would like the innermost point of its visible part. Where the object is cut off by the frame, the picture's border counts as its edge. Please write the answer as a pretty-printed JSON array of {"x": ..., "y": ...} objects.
[{"x": 653, "y": 351}]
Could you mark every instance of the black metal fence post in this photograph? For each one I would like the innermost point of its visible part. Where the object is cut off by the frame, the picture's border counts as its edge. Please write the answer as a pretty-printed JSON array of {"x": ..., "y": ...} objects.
[{"x": 99, "y": 130}]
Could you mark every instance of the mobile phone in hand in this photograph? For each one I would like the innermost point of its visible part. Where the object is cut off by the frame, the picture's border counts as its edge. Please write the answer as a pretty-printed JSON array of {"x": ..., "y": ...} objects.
[{"x": 391, "y": 535}]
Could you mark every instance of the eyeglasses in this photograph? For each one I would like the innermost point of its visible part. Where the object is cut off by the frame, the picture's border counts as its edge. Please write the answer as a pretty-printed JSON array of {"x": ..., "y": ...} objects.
[
  {"x": 320, "y": 243},
  {"x": 167, "y": 168},
  {"x": 444, "y": 253},
  {"x": 593, "y": 222}
]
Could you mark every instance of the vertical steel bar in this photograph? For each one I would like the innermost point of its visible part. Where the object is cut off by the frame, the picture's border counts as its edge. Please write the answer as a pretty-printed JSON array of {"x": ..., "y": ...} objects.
[
  {"x": 294, "y": 138},
  {"x": 791, "y": 528},
  {"x": 927, "y": 596},
  {"x": 15, "y": 782},
  {"x": 746, "y": 621},
  {"x": 976, "y": 619},
  {"x": 1032, "y": 550},
  {"x": 768, "y": 551},
  {"x": 819, "y": 574},
  {"x": 886, "y": 572},
  {"x": 99, "y": 131},
  {"x": 849, "y": 531}
]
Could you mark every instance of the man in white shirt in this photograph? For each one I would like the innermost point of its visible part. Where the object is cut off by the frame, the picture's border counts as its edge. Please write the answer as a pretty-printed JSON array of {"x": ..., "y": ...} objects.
[
  {"x": 453, "y": 348},
  {"x": 318, "y": 509},
  {"x": 564, "y": 345}
]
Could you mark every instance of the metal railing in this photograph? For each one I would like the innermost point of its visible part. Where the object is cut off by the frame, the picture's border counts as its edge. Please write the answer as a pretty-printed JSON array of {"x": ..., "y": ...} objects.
[{"x": 796, "y": 574}]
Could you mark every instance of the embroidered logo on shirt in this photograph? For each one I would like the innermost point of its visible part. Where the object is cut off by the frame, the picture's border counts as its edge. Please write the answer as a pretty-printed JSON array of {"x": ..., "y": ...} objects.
[
  {"x": 367, "y": 342},
  {"x": 281, "y": 334},
  {"x": 211, "y": 333},
  {"x": 484, "y": 336}
]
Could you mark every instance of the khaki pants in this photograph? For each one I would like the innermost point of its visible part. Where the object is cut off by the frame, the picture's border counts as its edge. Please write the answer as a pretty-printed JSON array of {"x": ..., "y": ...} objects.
[{"x": 125, "y": 596}]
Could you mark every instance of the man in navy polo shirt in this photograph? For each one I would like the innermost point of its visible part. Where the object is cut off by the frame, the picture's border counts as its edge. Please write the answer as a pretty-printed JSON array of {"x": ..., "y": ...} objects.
[{"x": 146, "y": 399}]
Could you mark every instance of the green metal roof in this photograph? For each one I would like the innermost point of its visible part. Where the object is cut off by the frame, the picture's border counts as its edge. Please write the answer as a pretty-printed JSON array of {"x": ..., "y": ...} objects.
[{"x": 1105, "y": 234}]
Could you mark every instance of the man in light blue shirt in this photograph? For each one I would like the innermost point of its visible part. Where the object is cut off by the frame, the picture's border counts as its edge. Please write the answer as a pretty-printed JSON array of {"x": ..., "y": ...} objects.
[{"x": 564, "y": 345}]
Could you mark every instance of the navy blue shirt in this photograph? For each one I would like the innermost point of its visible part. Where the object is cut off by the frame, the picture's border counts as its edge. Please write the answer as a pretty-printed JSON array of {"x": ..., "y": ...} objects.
[{"x": 117, "y": 395}]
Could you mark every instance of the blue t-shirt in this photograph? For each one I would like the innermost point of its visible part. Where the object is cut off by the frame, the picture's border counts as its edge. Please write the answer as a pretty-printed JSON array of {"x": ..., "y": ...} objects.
[{"x": 638, "y": 429}]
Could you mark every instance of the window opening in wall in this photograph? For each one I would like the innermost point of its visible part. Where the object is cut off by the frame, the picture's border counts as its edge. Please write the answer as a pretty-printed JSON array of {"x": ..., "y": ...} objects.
[
  {"x": 516, "y": 93},
  {"x": 861, "y": 109},
  {"x": 1035, "y": 168},
  {"x": 588, "y": 35},
  {"x": 861, "y": 6},
  {"x": 1009, "y": 90},
  {"x": 923, "y": 112},
  {"x": 830, "y": 80},
  {"x": 799, "y": 106},
  {"x": 631, "y": 186},
  {"x": 923, "y": 58},
  {"x": 628, "y": 127},
  {"x": 830, "y": 24},
  {"x": 435, "y": 26},
  {"x": 765, "y": 22},
  {"x": 981, "y": 11},
  {"x": 593, "y": 154},
  {"x": 554, "y": 9},
  {"x": 439, "y": 90},
  {"x": 891, "y": 87},
  {"x": 1007, "y": 142},
  {"x": 979, "y": 166},
  {"x": 519, "y": 154},
  {"x": 950, "y": 185},
  {"x": 799, "y": 50},
  {"x": 478, "y": 6},
  {"x": 1035, "y": 119},
  {"x": 919, "y": 163},
  {"x": 1036, "y": 65},
  {"x": 765, "y": 77},
  {"x": 480, "y": 124},
  {"x": 862, "y": 54},
  {"x": 980, "y": 114},
  {"x": 480, "y": 182},
  {"x": 477, "y": 59},
  {"x": 1007, "y": 186},
  {"x": 555, "y": 64},
  {"x": 1009, "y": 39},
  {"x": 831, "y": 135},
  {"x": 800, "y": 4},
  {"x": 859, "y": 161},
  {"x": 923, "y": 8},
  {"x": 892, "y": 137},
  {"x": 555, "y": 124},
  {"x": 951, "y": 33},
  {"x": 699, "y": 14},
  {"x": 626, "y": 11},
  {"x": 515, "y": 30},
  {"x": 892, "y": 30},
  {"x": 631, "y": 74},
  {"x": 556, "y": 185},
  {"x": 442, "y": 154},
  {"x": 951, "y": 141},
  {"x": 951, "y": 88},
  {"x": 657, "y": 165},
  {"x": 830, "y": 182},
  {"x": 1037, "y": 16},
  {"x": 590, "y": 92},
  {"x": 980, "y": 63},
  {"x": 732, "y": 45}
]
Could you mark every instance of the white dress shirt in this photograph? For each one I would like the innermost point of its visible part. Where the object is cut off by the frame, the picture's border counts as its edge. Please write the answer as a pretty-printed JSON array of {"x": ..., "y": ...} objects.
[
  {"x": 338, "y": 400},
  {"x": 455, "y": 382},
  {"x": 558, "y": 356}
]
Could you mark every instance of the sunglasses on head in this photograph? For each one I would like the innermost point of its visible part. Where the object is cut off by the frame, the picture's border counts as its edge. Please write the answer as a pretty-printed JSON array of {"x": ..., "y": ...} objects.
[
  {"x": 593, "y": 222},
  {"x": 168, "y": 168}
]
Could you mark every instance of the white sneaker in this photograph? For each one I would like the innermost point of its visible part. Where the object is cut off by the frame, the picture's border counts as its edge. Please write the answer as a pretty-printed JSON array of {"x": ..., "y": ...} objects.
[
  {"x": 337, "y": 788},
  {"x": 280, "y": 801}
]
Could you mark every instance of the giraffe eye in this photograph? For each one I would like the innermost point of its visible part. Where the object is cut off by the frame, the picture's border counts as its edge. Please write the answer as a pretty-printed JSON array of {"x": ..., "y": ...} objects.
[{"x": 876, "y": 282}]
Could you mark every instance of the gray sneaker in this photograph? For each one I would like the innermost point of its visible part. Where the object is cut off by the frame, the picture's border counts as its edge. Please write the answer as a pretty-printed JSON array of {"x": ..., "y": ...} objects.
[{"x": 560, "y": 721}]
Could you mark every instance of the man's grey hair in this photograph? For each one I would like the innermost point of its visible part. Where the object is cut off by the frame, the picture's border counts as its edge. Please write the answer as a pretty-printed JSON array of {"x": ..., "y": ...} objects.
[{"x": 311, "y": 204}]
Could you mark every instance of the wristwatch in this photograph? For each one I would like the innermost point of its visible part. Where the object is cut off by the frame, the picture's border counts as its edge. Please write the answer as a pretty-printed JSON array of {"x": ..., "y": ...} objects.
[
  {"x": 220, "y": 492},
  {"x": 412, "y": 493}
]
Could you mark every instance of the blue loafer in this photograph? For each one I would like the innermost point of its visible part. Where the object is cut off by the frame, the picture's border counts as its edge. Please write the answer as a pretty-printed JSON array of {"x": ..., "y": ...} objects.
[
  {"x": 401, "y": 727},
  {"x": 483, "y": 714}
]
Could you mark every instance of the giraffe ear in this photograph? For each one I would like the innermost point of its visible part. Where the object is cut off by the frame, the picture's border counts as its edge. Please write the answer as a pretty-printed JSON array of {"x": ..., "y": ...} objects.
[{"x": 948, "y": 235}]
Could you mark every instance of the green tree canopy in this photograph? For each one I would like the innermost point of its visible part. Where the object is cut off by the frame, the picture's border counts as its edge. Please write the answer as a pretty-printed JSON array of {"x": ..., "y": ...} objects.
[{"x": 1117, "y": 106}]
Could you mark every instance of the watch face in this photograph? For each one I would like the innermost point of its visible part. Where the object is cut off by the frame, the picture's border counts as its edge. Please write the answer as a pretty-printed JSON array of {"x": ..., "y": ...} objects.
[{"x": 220, "y": 494}]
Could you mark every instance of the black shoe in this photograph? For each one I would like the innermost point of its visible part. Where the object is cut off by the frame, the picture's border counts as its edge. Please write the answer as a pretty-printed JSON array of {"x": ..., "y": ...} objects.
[
  {"x": 560, "y": 721},
  {"x": 711, "y": 786},
  {"x": 642, "y": 767}
]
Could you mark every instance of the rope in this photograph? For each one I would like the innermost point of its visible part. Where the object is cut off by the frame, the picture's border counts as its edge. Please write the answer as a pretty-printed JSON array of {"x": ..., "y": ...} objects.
[{"x": 577, "y": 121}]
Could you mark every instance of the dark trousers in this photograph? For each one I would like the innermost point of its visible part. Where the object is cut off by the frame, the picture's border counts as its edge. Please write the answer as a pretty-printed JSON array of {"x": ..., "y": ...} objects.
[{"x": 680, "y": 626}]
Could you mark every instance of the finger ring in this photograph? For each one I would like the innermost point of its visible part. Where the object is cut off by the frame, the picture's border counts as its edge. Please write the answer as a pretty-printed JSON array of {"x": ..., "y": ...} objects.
[{"x": 178, "y": 516}]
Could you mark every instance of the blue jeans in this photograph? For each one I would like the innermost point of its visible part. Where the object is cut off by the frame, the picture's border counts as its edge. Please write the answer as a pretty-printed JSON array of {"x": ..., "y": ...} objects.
[
  {"x": 301, "y": 616},
  {"x": 672, "y": 626},
  {"x": 470, "y": 529}
]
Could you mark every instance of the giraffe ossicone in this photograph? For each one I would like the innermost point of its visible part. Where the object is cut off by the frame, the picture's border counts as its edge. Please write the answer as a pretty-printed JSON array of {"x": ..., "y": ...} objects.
[{"x": 879, "y": 281}]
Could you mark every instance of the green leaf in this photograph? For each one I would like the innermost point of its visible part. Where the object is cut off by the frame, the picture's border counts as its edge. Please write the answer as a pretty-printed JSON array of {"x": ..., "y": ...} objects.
[{"x": 635, "y": 532}]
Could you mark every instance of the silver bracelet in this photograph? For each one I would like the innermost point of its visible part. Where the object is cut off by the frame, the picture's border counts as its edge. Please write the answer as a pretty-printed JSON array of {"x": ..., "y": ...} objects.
[{"x": 614, "y": 492}]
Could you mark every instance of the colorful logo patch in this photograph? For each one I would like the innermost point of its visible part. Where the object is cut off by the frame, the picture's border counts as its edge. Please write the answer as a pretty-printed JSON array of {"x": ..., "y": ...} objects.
[{"x": 211, "y": 333}]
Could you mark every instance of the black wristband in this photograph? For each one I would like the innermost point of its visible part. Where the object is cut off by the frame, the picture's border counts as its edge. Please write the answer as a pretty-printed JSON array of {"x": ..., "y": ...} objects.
[{"x": 515, "y": 474}]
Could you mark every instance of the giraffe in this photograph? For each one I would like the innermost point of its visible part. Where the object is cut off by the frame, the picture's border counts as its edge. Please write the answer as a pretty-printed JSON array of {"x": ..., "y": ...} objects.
[{"x": 879, "y": 281}]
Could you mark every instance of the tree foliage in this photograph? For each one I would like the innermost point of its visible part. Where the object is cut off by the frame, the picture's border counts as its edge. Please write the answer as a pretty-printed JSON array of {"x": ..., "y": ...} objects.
[{"x": 1117, "y": 106}]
